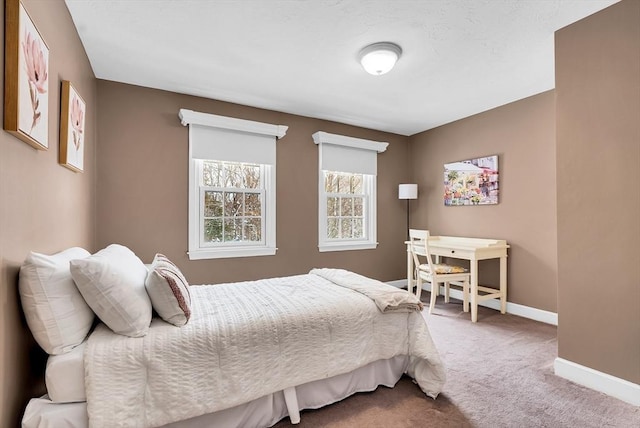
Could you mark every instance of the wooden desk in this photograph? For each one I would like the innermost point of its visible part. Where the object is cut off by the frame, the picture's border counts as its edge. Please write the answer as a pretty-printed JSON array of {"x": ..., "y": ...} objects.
[{"x": 472, "y": 249}]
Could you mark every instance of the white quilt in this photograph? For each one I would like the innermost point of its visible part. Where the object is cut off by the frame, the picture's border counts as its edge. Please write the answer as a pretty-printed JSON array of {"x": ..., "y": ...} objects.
[{"x": 246, "y": 340}]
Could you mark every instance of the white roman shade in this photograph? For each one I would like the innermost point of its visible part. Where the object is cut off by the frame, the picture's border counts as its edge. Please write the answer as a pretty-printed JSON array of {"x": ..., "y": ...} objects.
[
  {"x": 348, "y": 154},
  {"x": 226, "y": 139},
  {"x": 231, "y": 146},
  {"x": 229, "y": 139}
]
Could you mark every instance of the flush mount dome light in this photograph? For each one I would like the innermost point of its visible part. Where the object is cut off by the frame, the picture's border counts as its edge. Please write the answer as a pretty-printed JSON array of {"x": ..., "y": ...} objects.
[{"x": 379, "y": 58}]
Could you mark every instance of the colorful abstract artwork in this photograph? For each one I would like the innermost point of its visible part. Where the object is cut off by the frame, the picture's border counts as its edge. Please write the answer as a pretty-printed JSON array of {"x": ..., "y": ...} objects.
[{"x": 471, "y": 182}]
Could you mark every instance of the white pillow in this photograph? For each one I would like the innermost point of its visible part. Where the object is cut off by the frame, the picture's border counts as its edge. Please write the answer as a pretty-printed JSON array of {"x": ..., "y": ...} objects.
[
  {"x": 56, "y": 313},
  {"x": 169, "y": 291},
  {"x": 112, "y": 283},
  {"x": 64, "y": 376}
]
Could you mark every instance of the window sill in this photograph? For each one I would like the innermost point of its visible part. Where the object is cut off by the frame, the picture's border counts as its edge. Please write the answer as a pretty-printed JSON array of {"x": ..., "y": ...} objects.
[
  {"x": 342, "y": 246},
  {"x": 225, "y": 253}
]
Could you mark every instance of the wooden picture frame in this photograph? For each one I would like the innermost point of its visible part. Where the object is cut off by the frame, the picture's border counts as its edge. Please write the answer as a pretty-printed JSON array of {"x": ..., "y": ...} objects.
[
  {"x": 471, "y": 182},
  {"x": 26, "y": 78},
  {"x": 72, "y": 122}
]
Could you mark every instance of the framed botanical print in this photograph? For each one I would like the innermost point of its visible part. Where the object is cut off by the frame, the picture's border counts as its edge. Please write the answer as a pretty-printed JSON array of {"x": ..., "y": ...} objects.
[
  {"x": 26, "y": 78},
  {"x": 72, "y": 114}
]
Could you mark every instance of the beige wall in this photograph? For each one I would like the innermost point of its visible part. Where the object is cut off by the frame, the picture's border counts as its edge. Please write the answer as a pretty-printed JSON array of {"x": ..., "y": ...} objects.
[
  {"x": 598, "y": 155},
  {"x": 44, "y": 207},
  {"x": 142, "y": 187},
  {"x": 522, "y": 134}
]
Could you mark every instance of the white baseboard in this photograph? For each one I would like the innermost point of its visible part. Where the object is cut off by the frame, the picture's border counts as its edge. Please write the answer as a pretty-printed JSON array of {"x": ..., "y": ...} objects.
[
  {"x": 512, "y": 308},
  {"x": 599, "y": 381},
  {"x": 619, "y": 388}
]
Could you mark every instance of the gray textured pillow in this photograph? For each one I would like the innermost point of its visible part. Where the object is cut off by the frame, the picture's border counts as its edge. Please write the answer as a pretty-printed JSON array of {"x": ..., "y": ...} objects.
[
  {"x": 169, "y": 291},
  {"x": 112, "y": 283}
]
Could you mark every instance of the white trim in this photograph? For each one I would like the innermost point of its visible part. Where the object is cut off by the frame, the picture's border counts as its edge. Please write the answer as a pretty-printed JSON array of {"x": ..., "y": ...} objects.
[
  {"x": 523, "y": 311},
  {"x": 193, "y": 203},
  {"x": 321, "y": 137},
  {"x": 621, "y": 389},
  {"x": 226, "y": 252},
  {"x": 602, "y": 382},
  {"x": 196, "y": 251},
  {"x": 188, "y": 117},
  {"x": 370, "y": 191},
  {"x": 370, "y": 219},
  {"x": 346, "y": 246},
  {"x": 535, "y": 314}
]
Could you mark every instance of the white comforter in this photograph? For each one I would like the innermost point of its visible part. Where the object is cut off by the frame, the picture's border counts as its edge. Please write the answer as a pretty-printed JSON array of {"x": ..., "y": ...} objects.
[{"x": 246, "y": 340}]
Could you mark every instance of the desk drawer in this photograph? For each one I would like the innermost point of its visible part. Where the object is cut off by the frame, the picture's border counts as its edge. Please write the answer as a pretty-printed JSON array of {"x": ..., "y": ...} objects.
[{"x": 454, "y": 253}]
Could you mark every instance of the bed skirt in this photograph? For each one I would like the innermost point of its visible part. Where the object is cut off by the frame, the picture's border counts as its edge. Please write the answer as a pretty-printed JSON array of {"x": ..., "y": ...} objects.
[{"x": 262, "y": 412}]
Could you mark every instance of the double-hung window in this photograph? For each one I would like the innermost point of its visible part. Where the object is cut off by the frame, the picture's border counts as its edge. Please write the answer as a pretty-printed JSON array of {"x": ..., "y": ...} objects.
[
  {"x": 347, "y": 192},
  {"x": 232, "y": 199},
  {"x": 232, "y": 184}
]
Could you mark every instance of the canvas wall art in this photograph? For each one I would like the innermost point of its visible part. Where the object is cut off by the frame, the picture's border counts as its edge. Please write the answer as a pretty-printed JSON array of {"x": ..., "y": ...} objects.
[
  {"x": 471, "y": 182},
  {"x": 26, "y": 102},
  {"x": 72, "y": 115}
]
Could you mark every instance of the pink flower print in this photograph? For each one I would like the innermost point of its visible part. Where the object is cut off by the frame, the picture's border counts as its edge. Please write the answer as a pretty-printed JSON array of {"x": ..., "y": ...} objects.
[
  {"x": 77, "y": 121},
  {"x": 36, "y": 68}
]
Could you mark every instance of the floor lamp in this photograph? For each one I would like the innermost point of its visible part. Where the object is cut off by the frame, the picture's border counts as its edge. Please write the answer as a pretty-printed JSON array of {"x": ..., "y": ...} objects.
[{"x": 408, "y": 192}]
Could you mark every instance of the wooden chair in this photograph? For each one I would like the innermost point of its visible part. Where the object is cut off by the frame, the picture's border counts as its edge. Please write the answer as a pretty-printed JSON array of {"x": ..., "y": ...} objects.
[{"x": 436, "y": 273}]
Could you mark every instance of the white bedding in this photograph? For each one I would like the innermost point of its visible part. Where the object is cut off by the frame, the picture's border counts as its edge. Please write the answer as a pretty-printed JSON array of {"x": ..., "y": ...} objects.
[
  {"x": 64, "y": 376},
  {"x": 260, "y": 413},
  {"x": 244, "y": 341}
]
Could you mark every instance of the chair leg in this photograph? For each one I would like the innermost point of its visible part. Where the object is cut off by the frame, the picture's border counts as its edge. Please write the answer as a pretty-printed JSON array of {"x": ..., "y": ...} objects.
[
  {"x": 411, "y": 282},
  {"x": 419, "y": 287},
  {"x": 446, "y": 292},
  {"x": 434, "y": 287}
]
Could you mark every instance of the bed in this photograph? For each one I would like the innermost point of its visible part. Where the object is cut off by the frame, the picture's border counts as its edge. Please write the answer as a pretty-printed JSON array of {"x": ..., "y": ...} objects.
[{"x": 251, "y": 354}]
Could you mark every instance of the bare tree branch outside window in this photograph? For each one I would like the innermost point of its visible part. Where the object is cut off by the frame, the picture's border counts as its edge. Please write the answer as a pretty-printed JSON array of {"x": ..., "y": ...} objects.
[
  {"x": 233, "y": 197},
  {"x": 345, "y": 205}
]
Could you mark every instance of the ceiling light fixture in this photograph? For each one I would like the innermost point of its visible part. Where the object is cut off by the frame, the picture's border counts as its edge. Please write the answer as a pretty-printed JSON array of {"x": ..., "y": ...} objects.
[{"x": 379, "y": 58}]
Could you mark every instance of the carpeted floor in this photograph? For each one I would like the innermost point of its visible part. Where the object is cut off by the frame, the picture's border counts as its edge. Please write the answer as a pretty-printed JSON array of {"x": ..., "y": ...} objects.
[{"x": 499, "y": 374}]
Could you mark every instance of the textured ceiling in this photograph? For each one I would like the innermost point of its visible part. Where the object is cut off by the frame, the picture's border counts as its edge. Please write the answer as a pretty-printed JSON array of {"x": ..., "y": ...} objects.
[{"x": 460, "y": 57}]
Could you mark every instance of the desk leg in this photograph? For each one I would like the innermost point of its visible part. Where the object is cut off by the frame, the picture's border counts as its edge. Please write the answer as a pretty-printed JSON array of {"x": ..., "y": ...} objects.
[
  {"x": 474, "y": 290},
  {"x": 503, "y": 285},
  {"x": 409, "y": 271}
]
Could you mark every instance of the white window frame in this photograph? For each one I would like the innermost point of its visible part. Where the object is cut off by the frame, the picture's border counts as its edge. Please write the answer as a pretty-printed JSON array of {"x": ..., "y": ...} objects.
[
  {"x": 369, "y": 241},
  {"x": 197, "y": 249},
  {"x": 263, "y": 191}
]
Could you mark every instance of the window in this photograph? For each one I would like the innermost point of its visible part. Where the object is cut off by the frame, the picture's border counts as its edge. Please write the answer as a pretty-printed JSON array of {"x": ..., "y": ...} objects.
[
  {"x": 232, "y": 204},
  {"x": 346, "y": 199},
  {"x": 232, "y": 198},
  {"x": 347, "y": 192}
]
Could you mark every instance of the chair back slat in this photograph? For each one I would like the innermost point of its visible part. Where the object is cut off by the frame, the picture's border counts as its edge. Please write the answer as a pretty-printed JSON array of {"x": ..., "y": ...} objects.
[{"x": 420, "y": 238}]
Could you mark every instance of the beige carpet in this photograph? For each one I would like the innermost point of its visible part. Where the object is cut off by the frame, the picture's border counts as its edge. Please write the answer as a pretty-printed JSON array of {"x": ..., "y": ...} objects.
[{"x": 499, "y": 374}]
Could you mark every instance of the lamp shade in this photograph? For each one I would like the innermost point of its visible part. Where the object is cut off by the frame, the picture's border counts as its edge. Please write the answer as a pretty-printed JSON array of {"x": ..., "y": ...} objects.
[
  {"x": 379, "y": 58},
  {"x": 408, "y": 191}
]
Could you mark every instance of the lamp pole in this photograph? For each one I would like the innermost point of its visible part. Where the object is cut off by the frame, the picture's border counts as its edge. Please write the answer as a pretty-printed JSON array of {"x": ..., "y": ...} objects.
[
  {"x": 408, "y": 192},
  {"x": 408, "y": 219}
]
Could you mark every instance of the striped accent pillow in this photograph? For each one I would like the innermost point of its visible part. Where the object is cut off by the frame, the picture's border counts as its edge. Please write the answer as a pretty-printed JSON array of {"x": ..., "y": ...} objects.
[{"x": 168, "y": 290}]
